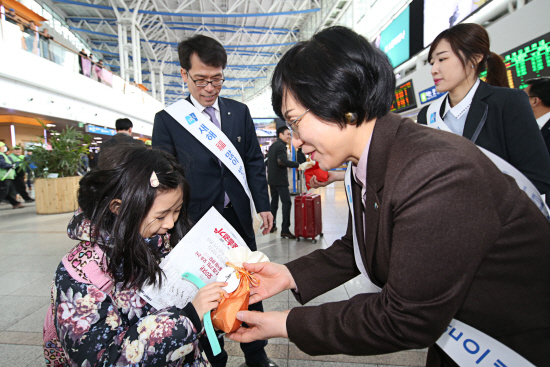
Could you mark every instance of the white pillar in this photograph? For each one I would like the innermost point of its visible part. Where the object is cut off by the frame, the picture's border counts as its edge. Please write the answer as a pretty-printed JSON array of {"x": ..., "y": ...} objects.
[
  {"x": 121, "y": 50},
  {"x": 124, "y": 46},
  {"x": 153, "y": 82},
  {"x": 162, "y": 87},
  {"x": 134, "y": 52},
  {"x": 138, "y": 47},
  {"x": 2, "y": 20},
  {"x": 520, "y": 4}
]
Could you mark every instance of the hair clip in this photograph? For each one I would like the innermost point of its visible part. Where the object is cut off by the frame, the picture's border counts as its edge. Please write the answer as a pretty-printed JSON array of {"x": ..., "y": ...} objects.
[
  {"x": 154, "y": 180},
  {"x": 351, "y": 118}
]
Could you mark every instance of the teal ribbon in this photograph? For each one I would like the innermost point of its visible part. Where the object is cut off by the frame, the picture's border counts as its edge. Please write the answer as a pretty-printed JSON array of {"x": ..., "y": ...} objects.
[{"x": 210, "y": 333}]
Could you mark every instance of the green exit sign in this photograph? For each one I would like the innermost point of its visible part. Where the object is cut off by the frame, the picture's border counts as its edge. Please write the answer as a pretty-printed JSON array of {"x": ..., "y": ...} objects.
[{"x": 80, "y": 124}]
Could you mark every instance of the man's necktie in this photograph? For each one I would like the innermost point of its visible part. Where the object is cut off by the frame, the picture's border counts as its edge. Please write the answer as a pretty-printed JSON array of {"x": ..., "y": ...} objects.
[{"x": 211, "y": 112}]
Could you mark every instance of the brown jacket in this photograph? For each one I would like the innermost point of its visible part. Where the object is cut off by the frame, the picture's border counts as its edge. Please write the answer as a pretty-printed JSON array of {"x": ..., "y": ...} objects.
[{"x": 450, "y": 237}]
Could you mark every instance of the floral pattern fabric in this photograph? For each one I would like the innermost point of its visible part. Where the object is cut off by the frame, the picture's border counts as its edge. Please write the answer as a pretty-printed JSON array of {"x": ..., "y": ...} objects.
[{"x": 119, "y": 328}]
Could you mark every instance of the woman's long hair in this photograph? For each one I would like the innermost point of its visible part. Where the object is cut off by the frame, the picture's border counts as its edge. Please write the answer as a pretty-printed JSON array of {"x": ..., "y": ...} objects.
[
  {"x": 124, "y": 174},
  {"x": 469, "y": 41}
]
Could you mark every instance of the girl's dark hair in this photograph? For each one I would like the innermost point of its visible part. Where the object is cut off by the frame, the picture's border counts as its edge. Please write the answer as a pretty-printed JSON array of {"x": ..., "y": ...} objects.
[
  {"x": 124, "y": 175},
  {"x": 335, "y": 72},
  {"x": 468, "y": 41}
]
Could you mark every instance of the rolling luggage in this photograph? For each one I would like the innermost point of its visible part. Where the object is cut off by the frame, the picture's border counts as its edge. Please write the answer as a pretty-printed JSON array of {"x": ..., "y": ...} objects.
[{"x": 307, "y": 216}]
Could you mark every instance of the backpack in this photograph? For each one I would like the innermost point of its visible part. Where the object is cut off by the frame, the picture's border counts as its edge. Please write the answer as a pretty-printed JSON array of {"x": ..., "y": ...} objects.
[{"x": 85, "y": 263}]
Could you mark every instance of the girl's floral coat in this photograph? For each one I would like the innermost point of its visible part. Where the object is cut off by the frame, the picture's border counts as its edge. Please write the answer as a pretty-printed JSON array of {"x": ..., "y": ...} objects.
[{"x": 119, "y": 329}]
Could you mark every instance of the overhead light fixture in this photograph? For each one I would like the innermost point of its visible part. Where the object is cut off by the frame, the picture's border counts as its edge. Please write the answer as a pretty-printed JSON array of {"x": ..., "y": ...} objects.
[
  {"x": 97, "y": 138},
  {"x": 50, "y": 125}
]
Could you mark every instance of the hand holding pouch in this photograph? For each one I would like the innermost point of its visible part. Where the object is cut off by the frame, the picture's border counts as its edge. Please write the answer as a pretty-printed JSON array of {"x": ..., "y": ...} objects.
[{"x": 225, "y": 316}]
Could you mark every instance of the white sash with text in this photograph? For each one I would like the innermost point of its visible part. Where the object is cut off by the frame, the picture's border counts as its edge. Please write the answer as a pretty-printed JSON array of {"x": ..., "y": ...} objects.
[{"x": 215, "y": 140}]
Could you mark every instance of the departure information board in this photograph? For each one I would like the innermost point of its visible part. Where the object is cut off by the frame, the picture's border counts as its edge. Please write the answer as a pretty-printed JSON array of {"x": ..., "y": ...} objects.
[
  {"x": 530, "y": 60},
  {"x": 404, "y": 98}
]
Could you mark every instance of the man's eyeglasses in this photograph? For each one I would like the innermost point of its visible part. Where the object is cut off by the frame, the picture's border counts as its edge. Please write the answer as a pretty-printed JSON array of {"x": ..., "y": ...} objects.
[
  {"x": 203, "y": 83},
  {"x": 293, "y": 125}
]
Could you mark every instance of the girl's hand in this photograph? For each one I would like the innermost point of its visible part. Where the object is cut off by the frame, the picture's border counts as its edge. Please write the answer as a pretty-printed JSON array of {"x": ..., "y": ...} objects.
[{"x": 209, "y": 297}]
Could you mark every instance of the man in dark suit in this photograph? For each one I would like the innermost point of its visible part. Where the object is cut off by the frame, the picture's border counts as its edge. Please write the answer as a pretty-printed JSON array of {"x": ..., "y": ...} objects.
[
  {"x": 538, "y": 90},
  {"x": 277, "y": 176},
  {"x": 123, "y": 135},
  {"x": 212, "y": 184}
]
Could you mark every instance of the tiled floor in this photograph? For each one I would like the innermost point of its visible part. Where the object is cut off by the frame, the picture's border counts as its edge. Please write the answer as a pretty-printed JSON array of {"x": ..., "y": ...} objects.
[{"x": 32, "y": 245}]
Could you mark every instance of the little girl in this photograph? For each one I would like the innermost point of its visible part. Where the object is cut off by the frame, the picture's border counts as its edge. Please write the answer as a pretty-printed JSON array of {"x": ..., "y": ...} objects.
[{"x": 133, "y": 211}]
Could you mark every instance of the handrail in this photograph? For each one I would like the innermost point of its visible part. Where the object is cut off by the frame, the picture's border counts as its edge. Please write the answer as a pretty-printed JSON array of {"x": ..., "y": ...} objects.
[{"x": 24, "y": 26}]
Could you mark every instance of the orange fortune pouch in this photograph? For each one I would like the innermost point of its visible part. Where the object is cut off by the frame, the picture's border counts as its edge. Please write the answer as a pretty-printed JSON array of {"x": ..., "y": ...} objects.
[{"x": 224, "y": 318}]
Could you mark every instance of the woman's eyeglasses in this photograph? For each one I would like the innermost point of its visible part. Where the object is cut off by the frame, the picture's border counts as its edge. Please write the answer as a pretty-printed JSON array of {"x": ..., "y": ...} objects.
[{"x": 293, "y": 125}]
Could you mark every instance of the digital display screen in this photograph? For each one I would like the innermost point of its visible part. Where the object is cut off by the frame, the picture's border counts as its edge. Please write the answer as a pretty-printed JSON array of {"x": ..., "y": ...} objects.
[
  {"x": 443, "y": 14},
  {"x": 528, "y": 61},
  {"x": 404, "y": 98},
  {"x": 395, "y": 39},
  {"x": 265, "y": 126},
  {"x": 100, "y": 130},
  {"x": 429, "y": 94}
]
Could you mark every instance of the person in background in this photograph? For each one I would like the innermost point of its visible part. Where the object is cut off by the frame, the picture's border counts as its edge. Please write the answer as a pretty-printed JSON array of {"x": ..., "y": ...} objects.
[
  {"x": 202, "y": 61},
  {"x": 333, "y": 176},
  {"x": 123, "y": 135},
  {"x": 12, "y": 17},
  {"x": 45, "y": 38},
  {"x": 84, "y": 164},
  {"x": 438, "y": 231},
  {"x": 7, "y": 175},
  {"x": 17, "y": 158},
  {"x": 82, "y": 54},
  {"x": 30, "y": 39},
  {"x": 495, "y": 118},
  {"x": 538, "y": 91},
  {"x": 300, "y": 156},
  {"x": 29, "y": 170},
  {"x": 277, "y": 178}
]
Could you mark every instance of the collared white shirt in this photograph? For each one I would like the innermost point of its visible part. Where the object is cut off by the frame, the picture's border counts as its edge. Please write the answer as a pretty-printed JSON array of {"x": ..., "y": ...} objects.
[
  {"x": 201, "y": 108},
  {"x": 455, "y": 117},
  {"x": 360, "y": 172},
  {"x": 543, "y": 120},
  {"x": 463, "y": 107}
]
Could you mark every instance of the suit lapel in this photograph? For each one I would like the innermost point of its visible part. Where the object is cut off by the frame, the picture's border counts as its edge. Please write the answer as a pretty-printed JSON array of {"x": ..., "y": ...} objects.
[
  {"x": 478, "y": 112},
  {"x": 226, "y": 117},
  {"x": 366, "y": 238},
  {"x": 546, "y": 130},
  {"x": 367, "y": 228}
]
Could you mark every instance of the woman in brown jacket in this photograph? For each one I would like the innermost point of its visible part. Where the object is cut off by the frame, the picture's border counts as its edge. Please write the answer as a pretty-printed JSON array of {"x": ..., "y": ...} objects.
[{"x": 445, "y": 236}]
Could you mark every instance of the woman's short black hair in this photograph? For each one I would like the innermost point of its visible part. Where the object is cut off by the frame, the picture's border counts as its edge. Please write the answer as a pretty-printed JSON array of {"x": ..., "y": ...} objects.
[
  {"x": 337, "y": 71},
  {"x": 125, "y": 176},
  {"x": 209, "y": 51}
]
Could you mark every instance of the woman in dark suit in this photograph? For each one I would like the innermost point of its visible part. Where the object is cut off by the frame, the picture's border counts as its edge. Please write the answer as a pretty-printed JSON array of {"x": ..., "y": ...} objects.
[
  {"x": 441, "y": 233},
  {"x": 489, "y": 114}
]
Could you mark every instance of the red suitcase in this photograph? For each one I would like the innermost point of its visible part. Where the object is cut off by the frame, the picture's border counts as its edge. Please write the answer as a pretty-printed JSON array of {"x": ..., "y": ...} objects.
[{"x": 307, "y": 216}]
